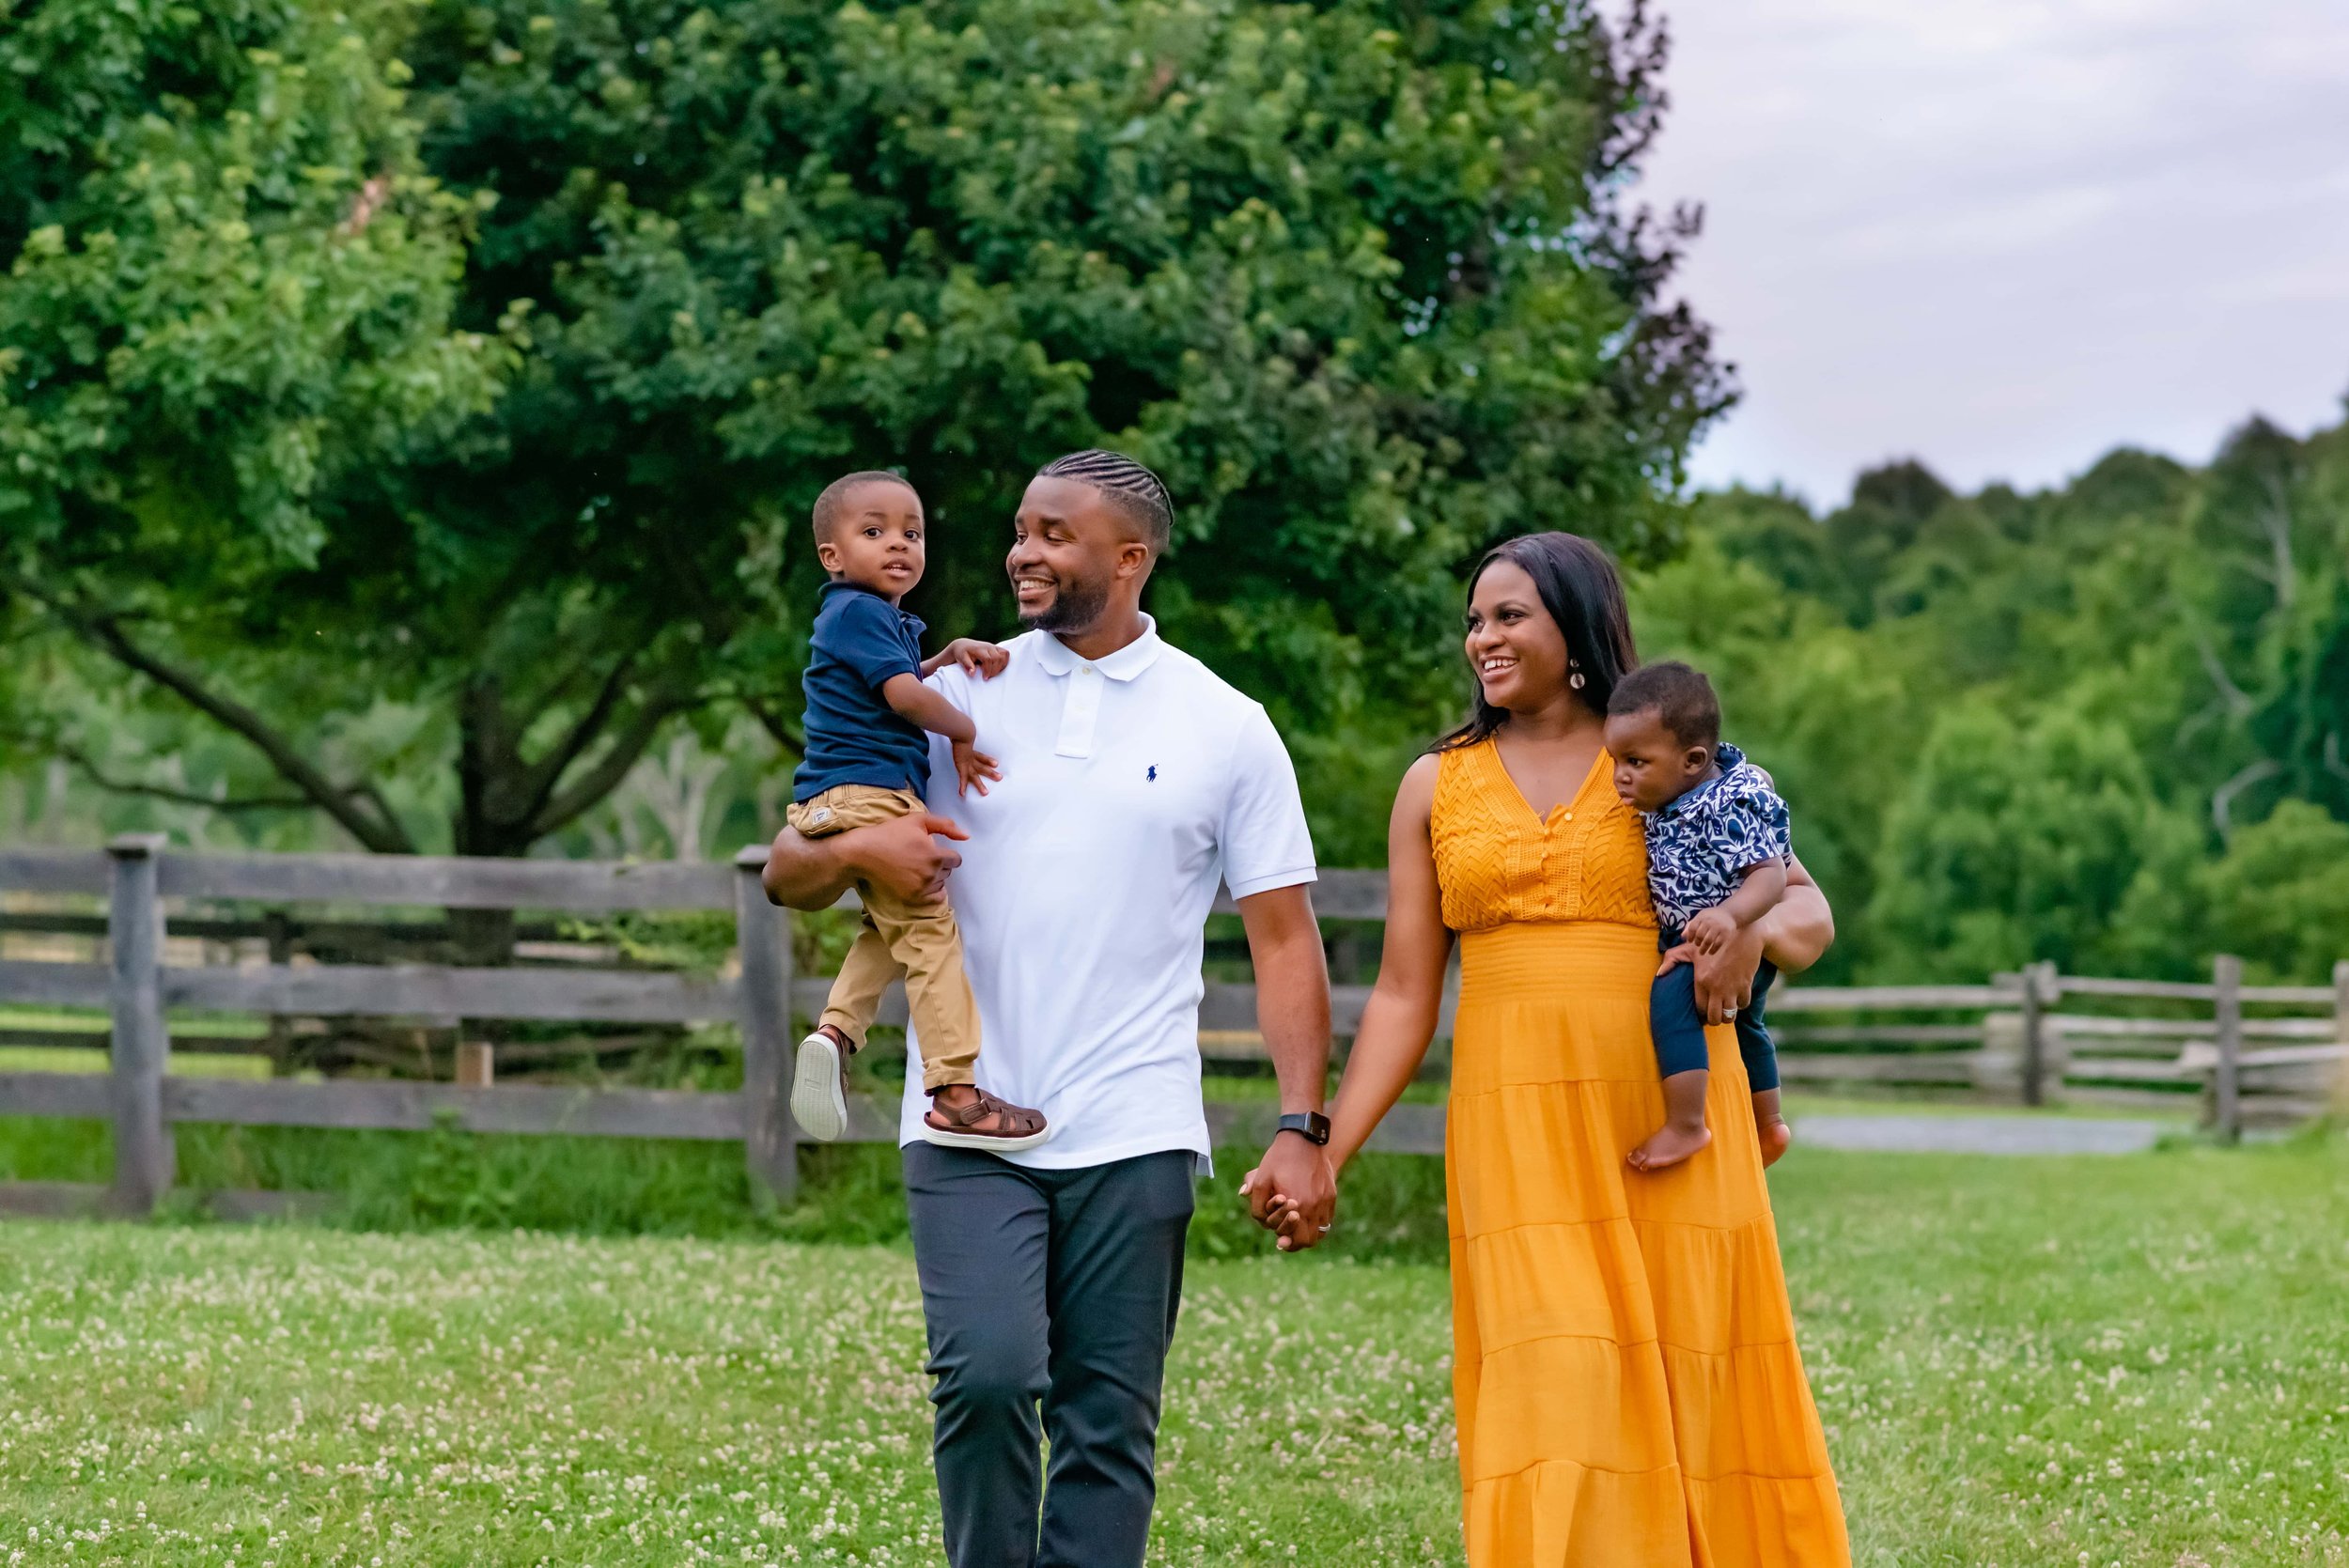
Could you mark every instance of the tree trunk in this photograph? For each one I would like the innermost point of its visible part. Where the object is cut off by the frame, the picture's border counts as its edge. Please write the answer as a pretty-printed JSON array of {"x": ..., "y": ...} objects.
[{"x": 483, "y": 938}]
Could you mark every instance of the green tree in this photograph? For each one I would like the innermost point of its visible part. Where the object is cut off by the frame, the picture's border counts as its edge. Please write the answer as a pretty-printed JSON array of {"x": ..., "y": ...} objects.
[
  {"x": 2076, "y": 725},
  {"x": 1355, "y": 277},
  {"x": 2263, "y": 587},
  {"x": 230, "y": 298},
  {"x": 2015, "y": 842},
  {"x": 1359, "y": 278},
  {"x": 2278, "y": 897}
]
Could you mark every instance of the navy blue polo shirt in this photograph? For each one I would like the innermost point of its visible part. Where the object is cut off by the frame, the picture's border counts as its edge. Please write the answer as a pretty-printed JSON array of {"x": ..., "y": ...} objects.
[{"x": 859, "y": 641}]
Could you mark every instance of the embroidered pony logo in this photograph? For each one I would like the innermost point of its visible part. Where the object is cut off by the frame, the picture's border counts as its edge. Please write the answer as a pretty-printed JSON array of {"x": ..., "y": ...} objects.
[{"x": 1152, "y": 776}]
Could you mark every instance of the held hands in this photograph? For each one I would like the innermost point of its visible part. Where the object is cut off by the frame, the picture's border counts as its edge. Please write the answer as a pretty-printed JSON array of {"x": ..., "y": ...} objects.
[
  {"x": 984, "y": 660},
  {"x": 974, "y": 767},
  {"x": 1294, "y": 1191}
]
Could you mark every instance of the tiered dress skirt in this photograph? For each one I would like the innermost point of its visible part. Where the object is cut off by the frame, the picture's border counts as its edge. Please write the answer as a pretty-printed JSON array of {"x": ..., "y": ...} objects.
[{"x": 1629, "y": 1390}]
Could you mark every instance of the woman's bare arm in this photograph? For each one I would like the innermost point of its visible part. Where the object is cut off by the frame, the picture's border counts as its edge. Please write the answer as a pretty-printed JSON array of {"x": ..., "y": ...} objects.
[
  {"x": 1797, "y": 933},
  {"x": 1400, "y": 1017},
  {"x": 1792, "y": 936}
]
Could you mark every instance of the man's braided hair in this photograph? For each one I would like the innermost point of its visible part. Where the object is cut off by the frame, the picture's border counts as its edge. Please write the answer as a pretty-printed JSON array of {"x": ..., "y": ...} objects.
[{"x": 1140, "y": 495}]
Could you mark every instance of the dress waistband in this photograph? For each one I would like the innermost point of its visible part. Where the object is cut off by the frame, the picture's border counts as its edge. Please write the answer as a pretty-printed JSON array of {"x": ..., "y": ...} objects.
[{"x": 1546, "y": 956}]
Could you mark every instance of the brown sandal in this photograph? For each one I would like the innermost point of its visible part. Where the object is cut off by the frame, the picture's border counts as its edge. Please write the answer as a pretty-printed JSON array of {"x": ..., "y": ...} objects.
[{"x": 1022, "y": 1128}]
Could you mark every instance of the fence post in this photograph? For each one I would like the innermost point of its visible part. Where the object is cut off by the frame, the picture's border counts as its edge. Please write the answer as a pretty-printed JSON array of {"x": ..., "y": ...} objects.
[
  {"x": 2227, "y": 1081},
  {"x": 1996, "y": 1070},
  {"x": 2341, "y": 1035},
  {"x": 476, "y": 1064},
  {"x": 135, "y": 936},
  {"x": 2034, "y": 1037},
  {"x": 2055, "y": 1045},
  {"x": 278, "y": 933},
  {"x": 763, "y": 933}
]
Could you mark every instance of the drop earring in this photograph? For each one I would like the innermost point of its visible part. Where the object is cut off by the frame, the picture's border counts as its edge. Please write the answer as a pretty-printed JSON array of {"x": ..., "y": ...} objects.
[{"x": 1575, "y": 679}]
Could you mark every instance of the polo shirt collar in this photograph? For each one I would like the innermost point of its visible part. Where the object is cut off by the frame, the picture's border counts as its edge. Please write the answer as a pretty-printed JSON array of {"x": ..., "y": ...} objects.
[
  {"x": 842, "y": 585},
  {"x": 1058, "y": 659}
]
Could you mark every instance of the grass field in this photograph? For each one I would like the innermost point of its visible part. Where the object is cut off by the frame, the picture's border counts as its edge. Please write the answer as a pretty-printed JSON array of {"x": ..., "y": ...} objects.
[{"x": 2139, "y": 1360}]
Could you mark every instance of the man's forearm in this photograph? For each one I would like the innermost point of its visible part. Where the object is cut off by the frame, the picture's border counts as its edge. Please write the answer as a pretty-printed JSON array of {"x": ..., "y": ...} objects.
[
  {"x": 1293, "y": 1015},
  {"x": 805, "y": 873}
]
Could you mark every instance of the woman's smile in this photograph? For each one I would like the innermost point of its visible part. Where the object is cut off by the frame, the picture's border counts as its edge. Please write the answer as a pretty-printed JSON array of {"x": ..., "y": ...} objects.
[{"x": 1498, "y": 674}]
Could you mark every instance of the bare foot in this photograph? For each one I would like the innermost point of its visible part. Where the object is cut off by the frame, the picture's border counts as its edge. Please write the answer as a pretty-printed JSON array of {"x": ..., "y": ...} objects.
[
  {"x": 1775, "y": 1135},
  {"x": 1668, "y": 1146}
]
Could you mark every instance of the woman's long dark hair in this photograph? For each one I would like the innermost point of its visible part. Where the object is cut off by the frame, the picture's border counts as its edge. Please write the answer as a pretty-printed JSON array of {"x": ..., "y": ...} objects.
[{"x": 1583, "y": 594}]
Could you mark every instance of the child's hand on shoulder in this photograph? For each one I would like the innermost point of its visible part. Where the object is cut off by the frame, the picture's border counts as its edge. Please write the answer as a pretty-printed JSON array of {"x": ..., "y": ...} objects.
[
  {"x": 984, "y": 660},
  {"x": 1710, "y": 930},
  {"x": 972, "y": 767}
]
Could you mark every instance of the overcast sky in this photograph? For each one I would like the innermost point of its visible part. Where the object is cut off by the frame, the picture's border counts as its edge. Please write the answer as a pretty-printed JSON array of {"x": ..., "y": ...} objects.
[{"x": 2005, "y": 236}]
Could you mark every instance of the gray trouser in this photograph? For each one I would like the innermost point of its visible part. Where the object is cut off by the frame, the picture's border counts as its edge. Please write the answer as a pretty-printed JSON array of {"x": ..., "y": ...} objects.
[{"x": 1052, "y": 1286}]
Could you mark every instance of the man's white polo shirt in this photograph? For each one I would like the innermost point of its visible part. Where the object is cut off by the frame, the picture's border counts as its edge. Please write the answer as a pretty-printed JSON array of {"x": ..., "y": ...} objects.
[{"x": 1132, "y": 786}]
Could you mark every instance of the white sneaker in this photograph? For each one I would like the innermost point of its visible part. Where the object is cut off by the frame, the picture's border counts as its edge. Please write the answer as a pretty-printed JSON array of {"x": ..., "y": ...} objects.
[{"x": 816, "y": 1101}]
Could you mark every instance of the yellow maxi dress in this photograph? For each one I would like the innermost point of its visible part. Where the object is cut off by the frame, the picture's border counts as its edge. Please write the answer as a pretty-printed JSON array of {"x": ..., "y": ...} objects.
[{"x": 1628, "y": 1388}]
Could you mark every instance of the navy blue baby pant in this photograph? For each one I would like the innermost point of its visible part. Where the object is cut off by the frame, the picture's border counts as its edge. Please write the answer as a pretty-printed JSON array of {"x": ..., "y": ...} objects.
[{"x": 1679, "y": 1028}]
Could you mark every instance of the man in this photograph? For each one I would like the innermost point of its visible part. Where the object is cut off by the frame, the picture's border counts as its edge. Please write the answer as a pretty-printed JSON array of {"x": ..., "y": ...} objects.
[{"x": 1133, "y": 781}]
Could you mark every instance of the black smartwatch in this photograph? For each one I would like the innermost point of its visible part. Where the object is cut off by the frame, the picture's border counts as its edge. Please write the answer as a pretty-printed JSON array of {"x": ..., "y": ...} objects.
[{"x": 1311, "y": 1126}]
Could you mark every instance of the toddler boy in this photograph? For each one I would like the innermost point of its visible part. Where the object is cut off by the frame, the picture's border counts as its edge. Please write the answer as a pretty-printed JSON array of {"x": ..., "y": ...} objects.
[
  {"x": 1717, "y": 846},
  {"x": 868, "y": 725}
]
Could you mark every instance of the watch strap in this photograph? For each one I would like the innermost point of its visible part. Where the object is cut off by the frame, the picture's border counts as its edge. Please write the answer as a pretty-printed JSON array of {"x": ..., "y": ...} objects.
[{"x": 1309, "y": 1124}]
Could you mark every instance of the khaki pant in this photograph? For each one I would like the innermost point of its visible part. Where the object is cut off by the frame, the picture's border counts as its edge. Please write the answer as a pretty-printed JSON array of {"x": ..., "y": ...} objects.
[{"x": 916, "y": 939}]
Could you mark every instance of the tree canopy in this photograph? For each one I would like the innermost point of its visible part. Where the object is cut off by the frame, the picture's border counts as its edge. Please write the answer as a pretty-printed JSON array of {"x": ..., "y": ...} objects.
[
  {"x": 409, "y": 412},
  {"x": 2103, "y": 725},
  {"x": 231, "y": 302},
  {"x": 606, "y": 294}
]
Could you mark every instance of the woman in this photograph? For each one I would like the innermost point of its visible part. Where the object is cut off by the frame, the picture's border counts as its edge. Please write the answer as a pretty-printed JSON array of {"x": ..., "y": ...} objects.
[{"x": 1629, "y": 1393}]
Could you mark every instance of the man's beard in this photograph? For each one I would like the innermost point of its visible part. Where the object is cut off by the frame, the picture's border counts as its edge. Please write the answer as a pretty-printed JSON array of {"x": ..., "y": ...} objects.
[{"x": 1076, "y": 605}]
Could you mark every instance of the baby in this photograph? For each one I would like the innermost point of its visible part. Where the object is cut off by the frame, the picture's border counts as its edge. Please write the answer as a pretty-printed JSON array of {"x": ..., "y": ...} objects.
[
  {"x": 1718, "y": 848},
  {"x": 868, "y": 725}
]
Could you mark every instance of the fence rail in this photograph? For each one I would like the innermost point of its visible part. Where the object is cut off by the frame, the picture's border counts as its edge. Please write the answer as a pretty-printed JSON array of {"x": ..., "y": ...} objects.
[
  {"x": 144, "y": 1101},
  {"x": 2017, "y": 1044}
]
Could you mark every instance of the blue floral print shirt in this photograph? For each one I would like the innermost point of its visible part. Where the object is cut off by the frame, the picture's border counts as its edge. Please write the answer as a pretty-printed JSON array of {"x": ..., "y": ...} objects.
[{"x": 1700, "y": 847}]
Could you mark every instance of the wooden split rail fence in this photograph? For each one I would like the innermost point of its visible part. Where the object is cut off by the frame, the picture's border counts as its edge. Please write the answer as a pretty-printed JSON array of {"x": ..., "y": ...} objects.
[
  {"x": 2247, "y": 1055},
  {"x": 2012, "y": 1042}
]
